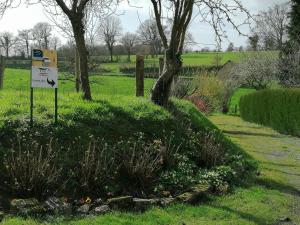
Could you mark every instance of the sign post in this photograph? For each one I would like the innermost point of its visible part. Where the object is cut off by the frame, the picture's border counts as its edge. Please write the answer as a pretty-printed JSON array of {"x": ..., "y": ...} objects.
[{"x": 44, "y": 74}]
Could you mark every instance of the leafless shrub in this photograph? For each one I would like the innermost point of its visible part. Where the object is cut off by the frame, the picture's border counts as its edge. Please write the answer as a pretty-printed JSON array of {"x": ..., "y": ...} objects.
[
  {"x": 96, "y": 167},
  {"x": 31, "y": 170}
]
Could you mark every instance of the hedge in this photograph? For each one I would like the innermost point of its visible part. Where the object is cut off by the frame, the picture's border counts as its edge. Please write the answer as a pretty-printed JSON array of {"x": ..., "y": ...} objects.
[{"x": 279, "y": 109}]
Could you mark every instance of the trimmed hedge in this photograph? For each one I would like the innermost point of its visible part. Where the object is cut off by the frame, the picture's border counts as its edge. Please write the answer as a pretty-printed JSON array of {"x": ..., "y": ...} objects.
[{"x": 279, "y": 109}]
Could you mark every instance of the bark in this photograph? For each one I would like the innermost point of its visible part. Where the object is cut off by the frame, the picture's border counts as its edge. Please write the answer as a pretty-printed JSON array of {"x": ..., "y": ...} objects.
[
  {"x": 77, "y": 70},
  {"x": 2, "y": 66},
  {"x": 78, "y": 29},
  {"x": 161, "y": 91}
]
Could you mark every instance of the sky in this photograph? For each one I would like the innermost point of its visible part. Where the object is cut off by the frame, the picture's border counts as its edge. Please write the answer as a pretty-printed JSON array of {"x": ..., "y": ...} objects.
[{"x": 25, "y": 17}]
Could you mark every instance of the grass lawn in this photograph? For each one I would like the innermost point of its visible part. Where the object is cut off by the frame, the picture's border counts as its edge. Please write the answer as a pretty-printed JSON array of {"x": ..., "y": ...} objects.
[
  {"x": 235, "y": 99},
  {"x": 260, "y": 202}
]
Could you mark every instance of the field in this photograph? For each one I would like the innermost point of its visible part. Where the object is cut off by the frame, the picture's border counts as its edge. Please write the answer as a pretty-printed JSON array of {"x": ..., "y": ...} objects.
[{"x": 263, "y": 201}]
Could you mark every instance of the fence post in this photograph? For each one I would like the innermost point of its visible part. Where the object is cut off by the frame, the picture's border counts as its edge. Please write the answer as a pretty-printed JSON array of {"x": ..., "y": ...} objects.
[
  {"x": 140, "y": 75},
  {"x": 2, "y": 67}
]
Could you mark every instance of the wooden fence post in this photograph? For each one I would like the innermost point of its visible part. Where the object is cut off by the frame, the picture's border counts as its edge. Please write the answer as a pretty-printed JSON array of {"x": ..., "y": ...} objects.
[
  {"x": 140, "y": 75},
  {"x": 2, "y": 67}
]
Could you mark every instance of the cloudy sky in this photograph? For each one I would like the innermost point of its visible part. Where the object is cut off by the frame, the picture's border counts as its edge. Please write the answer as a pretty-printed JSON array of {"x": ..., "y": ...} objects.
[{"x": 25, "y": 17}]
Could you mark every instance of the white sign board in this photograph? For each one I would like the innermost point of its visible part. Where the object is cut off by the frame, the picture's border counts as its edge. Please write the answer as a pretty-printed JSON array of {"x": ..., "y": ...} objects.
[{"x": 44, "y": 77}]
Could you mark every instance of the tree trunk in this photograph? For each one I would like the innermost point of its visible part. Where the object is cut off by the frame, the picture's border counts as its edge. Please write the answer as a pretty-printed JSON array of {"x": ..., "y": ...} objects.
[
  {"x": 162, "y": 88},
  {"x": 78, "y": 28},
  {"x": 111, "y": 55},
  {"x": 2, "y": 66},
  {"x": 77, "y": 70},
  {"x": 7, "y": 52}
]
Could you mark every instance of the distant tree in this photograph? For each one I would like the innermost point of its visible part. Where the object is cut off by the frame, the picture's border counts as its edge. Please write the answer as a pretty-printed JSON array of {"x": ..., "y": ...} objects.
[
  {"x": 54, "y": 42},
  {"x": 25, "y": 37},
  {"x": 41, "y": 33},
  {"x": 110, "y": 31},
  {"x": 230, "y": 47},
  {"x": 241, "y": 48},
  {"x": 129, "y": 40},
  {"x": 271, "y": 26},
  {"x": 149, "y": 35},
  {"x": 253, "y": 42},
  {"x": 7, "y": 40}
]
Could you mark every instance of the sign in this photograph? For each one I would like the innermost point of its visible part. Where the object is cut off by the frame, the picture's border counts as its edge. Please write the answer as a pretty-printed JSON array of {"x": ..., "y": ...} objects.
[{"x": 44, "y": 72}]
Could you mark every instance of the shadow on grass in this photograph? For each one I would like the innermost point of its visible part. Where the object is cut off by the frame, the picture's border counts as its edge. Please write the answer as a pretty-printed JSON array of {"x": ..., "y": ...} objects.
[
  {"x": 273, "y": 185},
  {"x": 251, "y": 134}
]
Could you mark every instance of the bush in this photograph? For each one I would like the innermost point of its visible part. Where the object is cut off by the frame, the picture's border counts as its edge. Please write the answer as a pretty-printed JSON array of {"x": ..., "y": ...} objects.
[
  {"x": 31, "y": 170},
  {"x": 279, "y": 109}
]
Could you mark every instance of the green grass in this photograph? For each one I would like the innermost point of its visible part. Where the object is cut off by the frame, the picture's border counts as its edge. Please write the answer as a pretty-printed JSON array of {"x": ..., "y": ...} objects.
[
  {"x": 261, "y": 202},
  {"x": 235, "y": 99}
]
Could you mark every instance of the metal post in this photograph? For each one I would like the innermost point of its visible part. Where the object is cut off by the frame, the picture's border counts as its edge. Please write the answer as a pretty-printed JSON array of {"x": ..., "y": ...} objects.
[
  {"x": 56, "y": 116},
  {"x": 31, "y": 107}
]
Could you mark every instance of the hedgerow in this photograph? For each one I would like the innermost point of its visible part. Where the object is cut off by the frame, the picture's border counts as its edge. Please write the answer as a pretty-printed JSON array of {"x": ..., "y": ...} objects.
[{"x": 279, "y": 109}]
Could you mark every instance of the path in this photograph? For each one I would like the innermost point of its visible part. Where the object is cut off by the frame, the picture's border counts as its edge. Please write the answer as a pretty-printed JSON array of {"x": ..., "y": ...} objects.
[{"x": 279, "y": 155}]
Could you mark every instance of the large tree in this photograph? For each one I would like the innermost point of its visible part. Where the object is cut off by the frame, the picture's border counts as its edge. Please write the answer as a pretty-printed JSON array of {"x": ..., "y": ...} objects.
[
  {"x": 271, "y": 26},
  {"x": 215, "y": 12},
  {"x": 75, "y": 11},
  {"x": 110, "y": 31},
  {"x": 294, "y": 26},
  {"x": 25, "y": 36}
]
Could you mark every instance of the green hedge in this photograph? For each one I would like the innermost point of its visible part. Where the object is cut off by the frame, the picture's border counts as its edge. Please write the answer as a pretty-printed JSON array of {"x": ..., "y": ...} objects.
[{"x": 279, "y": 109}]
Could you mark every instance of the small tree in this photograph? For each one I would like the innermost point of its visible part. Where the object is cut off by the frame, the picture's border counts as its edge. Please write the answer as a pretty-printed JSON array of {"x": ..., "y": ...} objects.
[
  {"x": 129, "y": 40},
  {"x": 25, "y": 36},
  {"x": 230, "y": 47},
  {"x": 253, "y": 42},
  {"x": 110, "y": 31}
]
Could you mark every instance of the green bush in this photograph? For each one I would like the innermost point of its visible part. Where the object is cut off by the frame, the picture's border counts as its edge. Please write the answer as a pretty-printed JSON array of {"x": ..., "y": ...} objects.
[{"x": 279, "y": 109}]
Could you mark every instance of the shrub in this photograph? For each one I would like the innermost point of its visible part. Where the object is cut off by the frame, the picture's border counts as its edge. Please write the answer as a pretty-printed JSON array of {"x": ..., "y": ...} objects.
[
  {"x": 30, "y": 170},
  {"x": 279, "y": 109},
  {"x": 96, "y": 167}
]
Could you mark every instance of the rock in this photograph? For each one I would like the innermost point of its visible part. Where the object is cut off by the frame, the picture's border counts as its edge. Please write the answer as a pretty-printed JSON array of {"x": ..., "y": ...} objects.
[
  {"x": 193, "y": 196},
  {"x": 26, "y": 206},
  {"x": 166, "y": 193},
  {"x": 101, "y": 210},
  {"x": 167, "y": 201},
  {"x": 58, "y": 206},
  {"x": 121, "y": 203},
  {"x": 144, "y": 204},
  {"x": 285, "y": 219},
  {"x": 97, "y": 202},
  {"x": 84, "y": 209}
]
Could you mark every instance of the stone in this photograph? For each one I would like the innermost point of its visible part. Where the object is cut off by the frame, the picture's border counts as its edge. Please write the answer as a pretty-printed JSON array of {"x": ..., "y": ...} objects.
[
  {"x": 58, "y": 206},
  {"x": 167, "y": 201},
  {"x": 84, "y": 209},
  {"x": 121, "y": 203},
  {"x": 195, "y": 195},
  {"x": 101, "y": 210},
  {"x": 144, "y": 204},
  {"x": 28, "y": 206}
]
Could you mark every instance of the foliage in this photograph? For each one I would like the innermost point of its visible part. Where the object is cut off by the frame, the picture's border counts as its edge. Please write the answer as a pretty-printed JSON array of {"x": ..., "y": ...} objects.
[
  {"x": 289, "y": 70},
  {"x": 279, "y": 109},
  {"x": 257, "y": 71}
]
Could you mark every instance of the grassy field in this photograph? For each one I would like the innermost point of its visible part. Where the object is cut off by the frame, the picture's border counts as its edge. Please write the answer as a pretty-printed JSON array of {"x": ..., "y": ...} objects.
[
  {"x": 235, "y": 99},
  {"x": 261, "y": 202}
]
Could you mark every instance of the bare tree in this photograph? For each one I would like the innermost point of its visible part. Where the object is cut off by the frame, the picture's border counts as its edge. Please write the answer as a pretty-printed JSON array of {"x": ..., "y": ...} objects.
[
  {"x": 110, "y": 31},
  {"x": 215, "y": 12},
  {"x": 7, "y": 40},
  {"x": 54, "y": 42},
  {"x": 41, "y": 33},
  {"x": 75, "y": 11},
  {"x": 25, "y": 37},
  {"x": 149, "y": 35},
  {"x": 129, "y": 40},
  {"x": 271, "y": 25}
]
